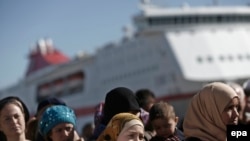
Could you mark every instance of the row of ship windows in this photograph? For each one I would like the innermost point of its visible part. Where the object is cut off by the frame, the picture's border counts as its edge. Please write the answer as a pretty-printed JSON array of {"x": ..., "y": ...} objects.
[
  {"x": 198, "y": 19},
  {"x": 65, "y": 85},
  {"x": 224, "y": 58},
  {"x": 138, "y": 72},
  {"x": 61, "y": 92}
]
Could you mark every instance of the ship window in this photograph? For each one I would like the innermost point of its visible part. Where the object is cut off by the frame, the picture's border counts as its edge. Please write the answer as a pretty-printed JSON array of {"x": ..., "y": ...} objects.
[
  {"x": 240, "y": 57},
  {"x": 248, "y": 56},
  {"x": 230, "y": 57},
  {"x": 185, "y": 20},
  {"x": 58, "y": 86},
  {"x": 61, "y": 86},
  {"x": 219, "y": 18},
  {"x": 209, "y": 59},
  {"x": 196, "y": 19},
  {"x": 199, "y": 59},
  {"x": 222, "y": 58},
  {"x": 75, "y": 82},
  {"x": 202, "y": 19},
  {"x": 43, "y": 90},
  {"x": 179, "y": 20},
  {"x": 75, "y": 89},
  {"x": 248, "y": 18},
  {"x": 212, "y": 19}
]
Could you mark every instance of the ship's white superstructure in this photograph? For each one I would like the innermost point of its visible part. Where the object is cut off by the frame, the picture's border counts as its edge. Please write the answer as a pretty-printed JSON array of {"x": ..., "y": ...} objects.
[{"x": 174, "y": 52}]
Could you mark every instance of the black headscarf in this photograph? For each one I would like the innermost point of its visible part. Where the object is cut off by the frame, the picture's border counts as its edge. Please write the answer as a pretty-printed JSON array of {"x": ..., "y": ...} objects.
[{"x": 119, "y": 100}]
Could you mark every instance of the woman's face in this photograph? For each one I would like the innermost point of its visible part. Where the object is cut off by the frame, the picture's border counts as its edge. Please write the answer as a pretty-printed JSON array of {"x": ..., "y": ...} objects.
[
  {"x": 230, "y": 115},
  {"x": 133, "y": 133},
  {"x": 62, "y": 132},
  {"x": 12, "y": 121}
]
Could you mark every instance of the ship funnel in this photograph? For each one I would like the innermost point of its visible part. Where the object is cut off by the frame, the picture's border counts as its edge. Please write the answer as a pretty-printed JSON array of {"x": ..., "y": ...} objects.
[
  {"x": 44, "y": 54},
  {"x": 45, "y": 46},
  {"x": 41, "y": 46},
  {"x": 49, "y": 45}
]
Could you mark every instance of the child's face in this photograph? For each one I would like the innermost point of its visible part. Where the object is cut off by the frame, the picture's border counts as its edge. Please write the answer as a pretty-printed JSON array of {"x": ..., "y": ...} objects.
[
  {"x": 62, "y": 132},
  {"x": 164, "y": 127}
]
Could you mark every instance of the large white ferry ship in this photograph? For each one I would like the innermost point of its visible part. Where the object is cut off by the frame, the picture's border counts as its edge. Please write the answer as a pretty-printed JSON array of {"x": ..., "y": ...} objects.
[{"x": 173, "y": 52}]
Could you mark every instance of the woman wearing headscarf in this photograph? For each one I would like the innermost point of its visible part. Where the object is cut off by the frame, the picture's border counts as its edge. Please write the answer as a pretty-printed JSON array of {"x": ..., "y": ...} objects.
[
  {"x": 32, "y": 125},
  {"x": 123, "y": 127},
  {"x": 118, "y": 100},
  {"x": 58, "y": 123},
  {"x": 209, "y": 111}
]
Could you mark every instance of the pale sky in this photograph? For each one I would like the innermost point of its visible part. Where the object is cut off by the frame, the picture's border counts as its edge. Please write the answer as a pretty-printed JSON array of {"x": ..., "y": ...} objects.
[{"x": 75, "y": 25}]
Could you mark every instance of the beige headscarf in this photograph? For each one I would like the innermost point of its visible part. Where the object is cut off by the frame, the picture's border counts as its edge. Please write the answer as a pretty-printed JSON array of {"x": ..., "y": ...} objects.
[
  {"x": 118, "y": 124},
  {"x": 203, "y": 118}
]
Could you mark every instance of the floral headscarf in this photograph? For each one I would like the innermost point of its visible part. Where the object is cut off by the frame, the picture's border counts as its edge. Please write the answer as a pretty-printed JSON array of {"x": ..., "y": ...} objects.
[{"x": 119, "y": 123}]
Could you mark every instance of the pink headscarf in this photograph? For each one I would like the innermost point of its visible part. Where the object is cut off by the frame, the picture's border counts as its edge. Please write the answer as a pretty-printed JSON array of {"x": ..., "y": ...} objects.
[{"x": 203, "y": 118}]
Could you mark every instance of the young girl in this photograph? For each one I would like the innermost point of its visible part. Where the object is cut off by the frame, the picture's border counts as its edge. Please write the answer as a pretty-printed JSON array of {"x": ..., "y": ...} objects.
[
  {"x": 58, "y": 123},
  {"x": 13, "y": 118},
  {"x": 163, "y": 119},
  {"x": 32, "y": 126}
]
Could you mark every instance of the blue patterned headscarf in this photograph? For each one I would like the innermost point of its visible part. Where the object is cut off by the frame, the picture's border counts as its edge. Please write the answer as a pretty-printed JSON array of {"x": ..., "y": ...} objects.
[{"x": 55, "y": 115}]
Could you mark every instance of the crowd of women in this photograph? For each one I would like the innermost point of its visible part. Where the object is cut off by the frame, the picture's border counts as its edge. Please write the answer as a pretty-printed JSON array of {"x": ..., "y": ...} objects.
[{"x": 130, "y": 116}]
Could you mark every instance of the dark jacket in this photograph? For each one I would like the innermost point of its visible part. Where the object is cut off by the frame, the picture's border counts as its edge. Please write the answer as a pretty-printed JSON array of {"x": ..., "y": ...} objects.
[
  {"x": 178, "y": 136},
  {"x": 192, "y": 139}
]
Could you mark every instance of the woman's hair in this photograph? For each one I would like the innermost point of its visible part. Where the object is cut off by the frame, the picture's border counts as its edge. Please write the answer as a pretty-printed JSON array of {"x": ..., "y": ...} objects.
[
  {"x": 18, "y": 102},
  {"x": 161, "y": 110}
]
